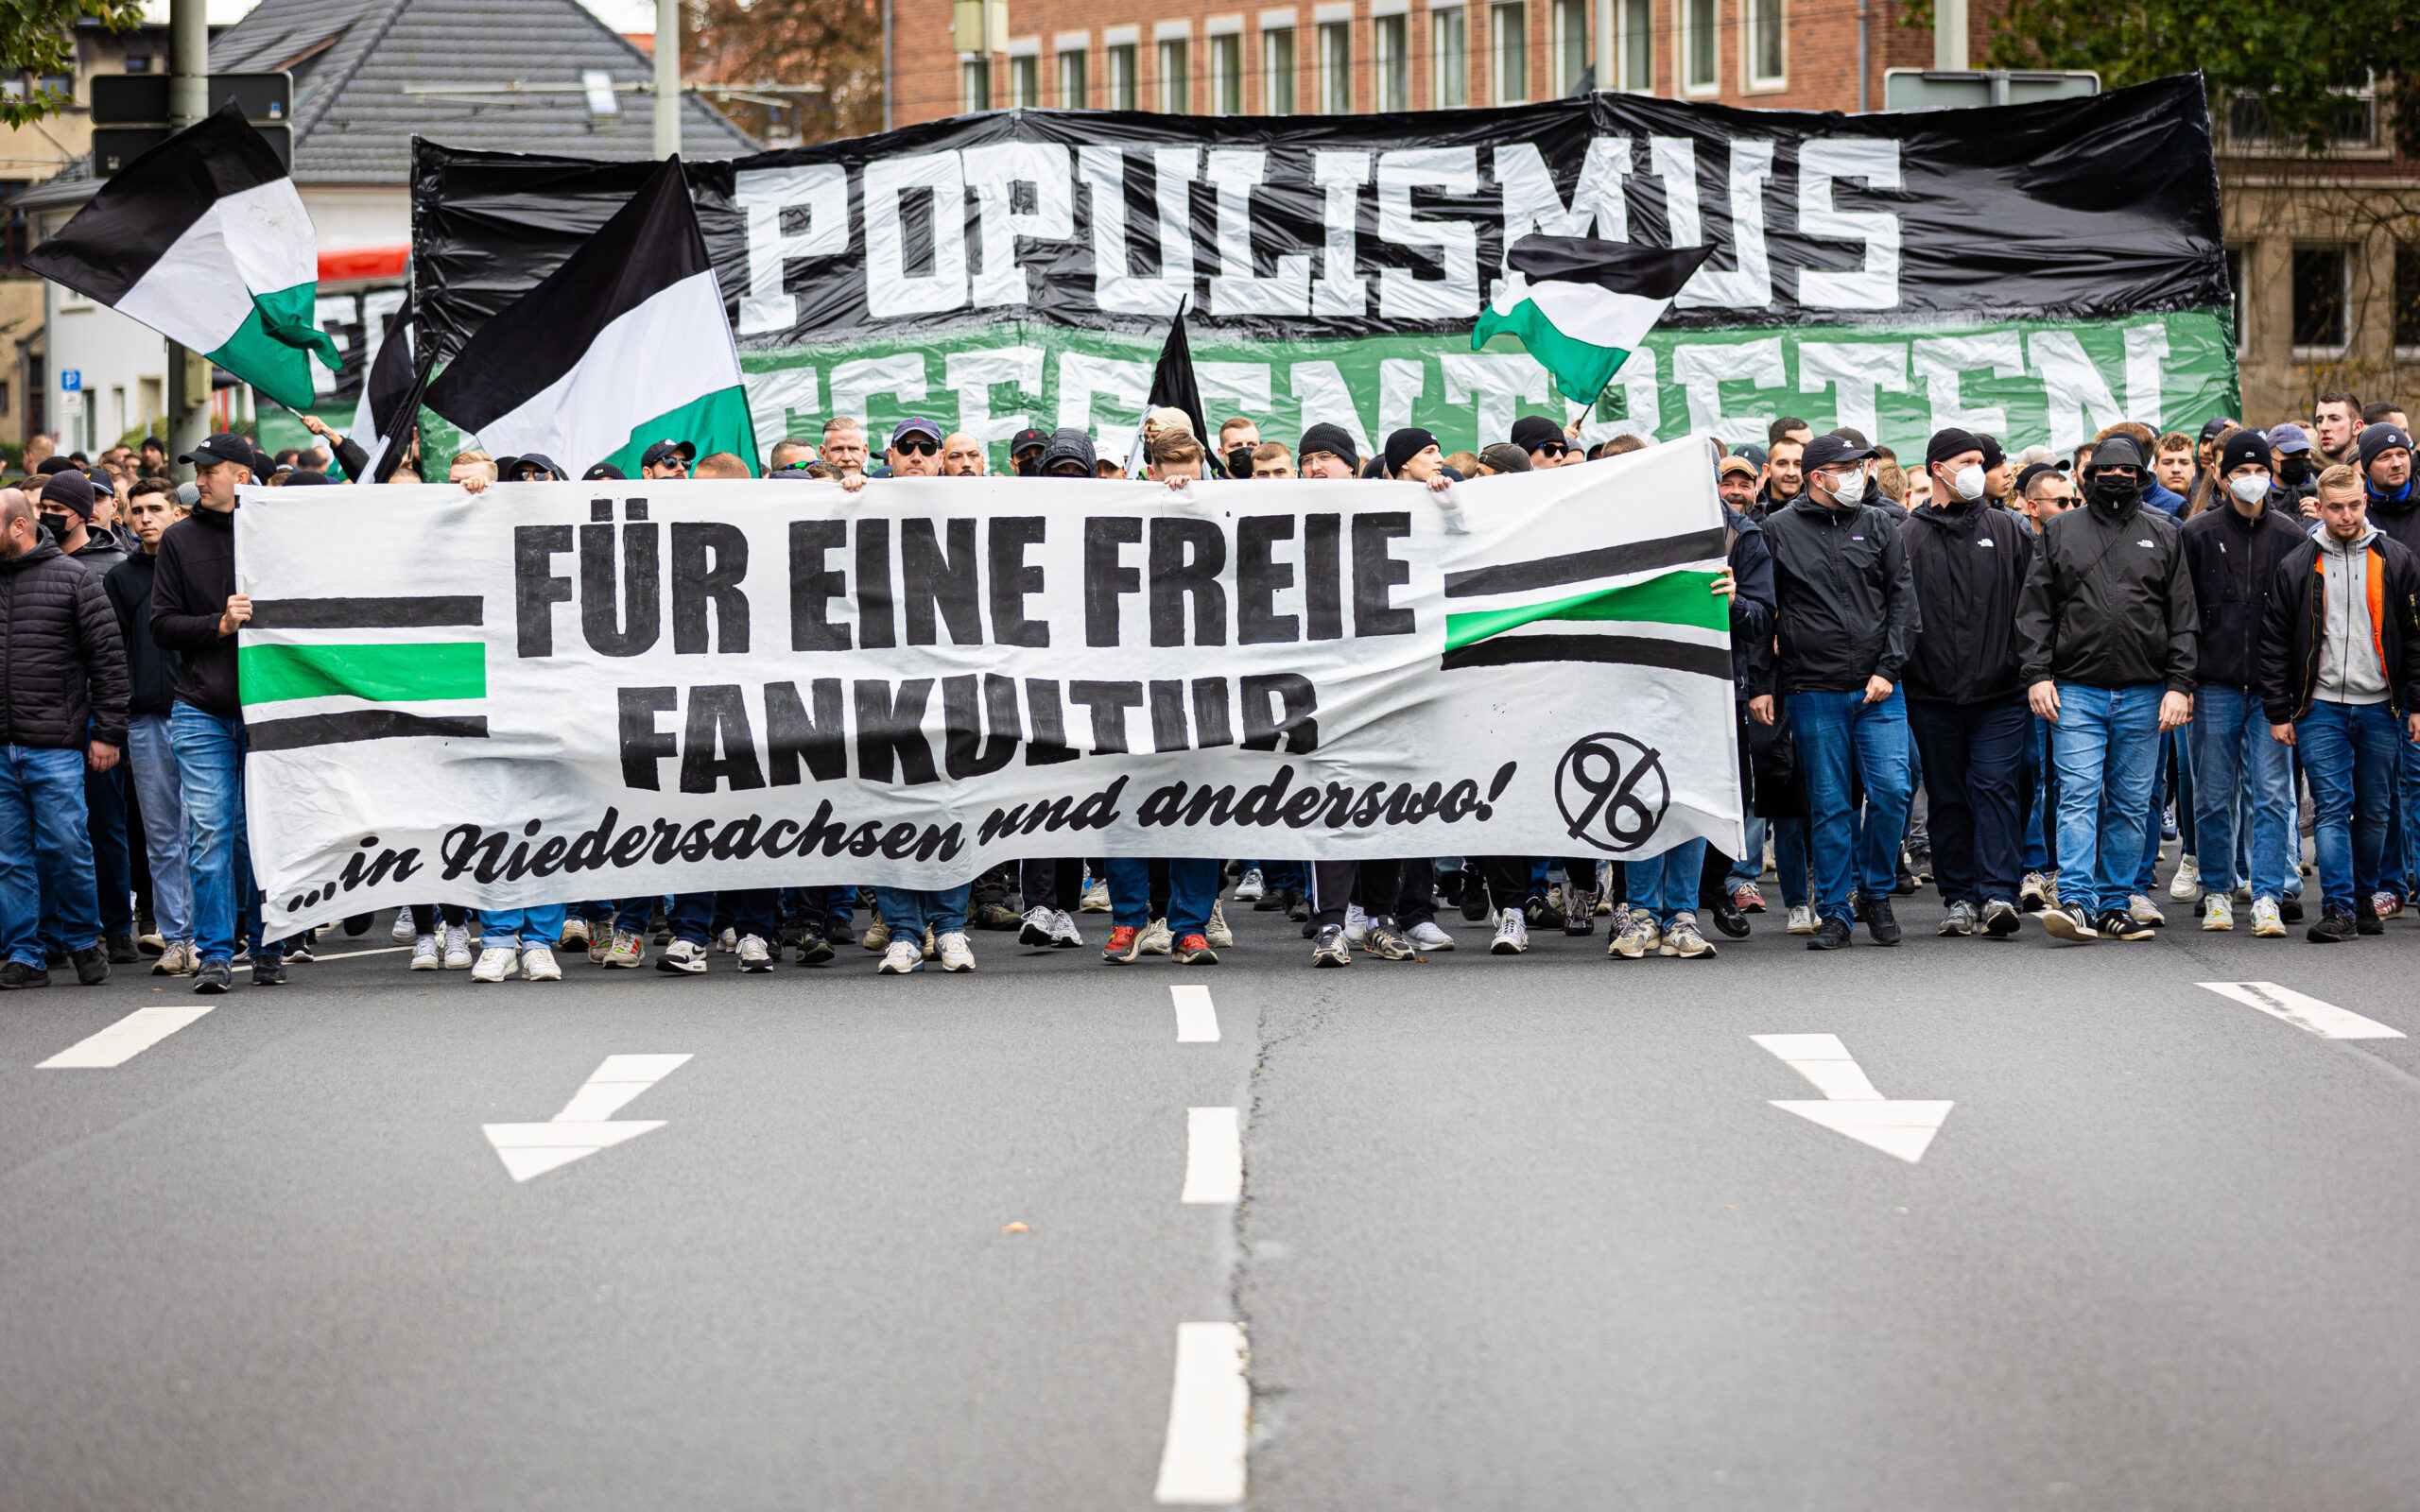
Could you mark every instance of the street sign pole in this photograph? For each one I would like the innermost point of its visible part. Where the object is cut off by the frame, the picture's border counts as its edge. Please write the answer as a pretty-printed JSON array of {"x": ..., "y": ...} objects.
[
  {"x": 188, "y": 102},
  {"x": 667, "y": 77}
]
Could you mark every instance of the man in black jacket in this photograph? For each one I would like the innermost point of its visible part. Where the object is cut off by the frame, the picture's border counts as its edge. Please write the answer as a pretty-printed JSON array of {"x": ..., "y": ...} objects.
[
  {"x": 1964, "y": 704},
  {"x": 2337, "y": 670},
  {"x": 63, "y": 707},
  {"x": 2233, "y": 550},
  {"x": 2106, "y": 634},
  {"x": 152, "y": 673},
  {"x": 1846, "y": 615},
  {"x": 197, "y": 612}
]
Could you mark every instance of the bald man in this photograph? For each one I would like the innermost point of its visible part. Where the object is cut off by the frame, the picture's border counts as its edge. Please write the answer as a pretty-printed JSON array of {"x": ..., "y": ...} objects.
[{"x": 961, "y": 455}]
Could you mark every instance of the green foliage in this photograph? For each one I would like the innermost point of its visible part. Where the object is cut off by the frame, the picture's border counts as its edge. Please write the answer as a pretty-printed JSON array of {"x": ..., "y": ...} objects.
[
  {"x": 2294, "y": 59},
  {"x": 36, "y": 37}
]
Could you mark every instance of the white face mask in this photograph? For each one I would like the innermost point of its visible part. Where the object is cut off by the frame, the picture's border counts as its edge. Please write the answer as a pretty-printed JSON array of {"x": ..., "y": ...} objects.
[
  {"x": 1969, "y": 482},
  {"x": 2251, "y": 487},
  {"x": 1850, "y": 486}
]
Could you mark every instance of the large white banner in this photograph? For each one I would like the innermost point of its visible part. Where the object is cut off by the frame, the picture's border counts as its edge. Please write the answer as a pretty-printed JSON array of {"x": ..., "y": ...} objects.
[{"x": 551, "y": 692}]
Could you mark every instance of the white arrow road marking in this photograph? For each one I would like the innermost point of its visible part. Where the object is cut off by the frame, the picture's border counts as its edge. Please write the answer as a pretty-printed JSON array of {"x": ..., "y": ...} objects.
[
  {"x": 2325, "y": 1020},
  {"x": 1214, "y": 1156},
  {"x": 1209, "y": 1419},
  {"x": 1900, "y": 1127},
  {"x": 127, "y": 1037},
  {"x": 586, "y": 1123},
  {"x": 1196, "y": 1021}
]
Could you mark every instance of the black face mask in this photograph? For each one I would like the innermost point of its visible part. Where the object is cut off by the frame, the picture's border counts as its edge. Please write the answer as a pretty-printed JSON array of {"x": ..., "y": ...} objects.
[
  {"x": 2116, "y": 489},
  {"x": 2295, "y": 469},
  {"x": 1030, "y": 466}
]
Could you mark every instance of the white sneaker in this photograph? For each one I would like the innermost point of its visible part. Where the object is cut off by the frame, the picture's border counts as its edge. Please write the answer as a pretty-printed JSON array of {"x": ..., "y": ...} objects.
[
  {"x": 684, "y": 957},
  {"x": 877, "y": 936},
  {"x": 1511, "y": 933},
  {"x": 1429, "y": 937},
  {"x": 1096, "y": 899},
  {"x": 931, "y": 950},
  {"x": 2267, "y": 921},
  {"x": 1156, "y": 939},
  {"x": 1038, "y": 926},
  {"x": 1064, "y": 932},
  {"x": 956, "y": 954},
  {"x": 2143, "y": 911},
  {"x": 424, "y": 954},
  {"x": 538, "y": 965},
  {"x": 1641, "y": 937},
  {"x": 496, "y": 962},
  {"x": 1217, "y": 931},
  {"x": 753, "y": 955},
  {"x": 457, "y": 948},
  {"x": 900, "y": 957},
  {"x": 2186, "y": 885},
  {"x": 601, "y": 943},
  {"x": 728, "y": 942},
  {"x": 401, "y": 933},
  {"x": 2217, "y": 912},
  {"x": 1356, "y": 926},
  {"x": 574, "y": 935},
  {"x": 1684, "y": 941},
  {"x": 627, "y": 952},
  {"x": 2033, "y": 894},
  {"x": 1801, "y": 920},
  {"x": 1250, "y": 888}
]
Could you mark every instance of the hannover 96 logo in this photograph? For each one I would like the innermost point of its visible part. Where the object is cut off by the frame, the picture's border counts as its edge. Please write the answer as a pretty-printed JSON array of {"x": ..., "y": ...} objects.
[{"x": 1611, "y": 791}]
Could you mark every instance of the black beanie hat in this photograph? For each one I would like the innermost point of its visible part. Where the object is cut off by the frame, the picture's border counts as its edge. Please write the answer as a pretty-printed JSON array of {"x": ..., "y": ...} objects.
[
  {"x": 1531, "y": 432},
  {"x": 2243, "y": 446},
  {"x": 1953, "y": 442},
  {"x": 1992, "y": 455},
  {"x": 1331, "y": 439},
  {"x": 70, "y": 490},
  {"x": 1406, "y": 444},
  {"x": 2382, "y": 437}
]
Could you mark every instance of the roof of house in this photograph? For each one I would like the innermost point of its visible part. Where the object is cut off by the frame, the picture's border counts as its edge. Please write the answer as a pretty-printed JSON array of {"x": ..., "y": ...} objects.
[{"x": 369, "y": 74}]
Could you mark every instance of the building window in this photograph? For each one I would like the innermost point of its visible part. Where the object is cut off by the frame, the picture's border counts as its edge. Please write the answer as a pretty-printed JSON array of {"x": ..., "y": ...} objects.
[
  {"x": 1391, "y": 69},
  {"x": 974, "y": 78},
  {"x": 1025, "y": 81},
  {"x": 2319, "y": 274},
  {"x": 1176, "y": 76},
  {"x": 2352, "y": 124},
  {"x": 135, "y": 63},
  {"x": 1336, "y": 68},
  {"x": 1637, "y": 48},
  {"x": 1227, "y": 74},
  {"x": 1450, "y": 43},
  {"x": 2407, "y": 300},
  {"x": 1074, "y": 94},
  {"x": 1277, "y": 62},
  {"x": 1121, "y": 76},
  {"x": 1570, "y": 44},
  {"x": 1509, "y": 54},
  {"x": 1700, "y": 71},
  {"x": 1767, "y": 59}
]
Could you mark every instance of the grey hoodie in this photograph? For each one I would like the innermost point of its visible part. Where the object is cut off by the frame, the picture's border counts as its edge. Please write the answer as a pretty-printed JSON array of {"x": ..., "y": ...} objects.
[{"x": 2349, "y": 670}]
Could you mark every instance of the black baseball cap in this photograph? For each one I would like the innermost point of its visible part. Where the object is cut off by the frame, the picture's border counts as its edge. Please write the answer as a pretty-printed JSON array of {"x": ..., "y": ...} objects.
[
  {"x": 538, "y": 462},
  {"x": 1028, "y": 440},
  {"x": 604, "y": 469},
  {"x": 224, "y": 447},
  {"x": 658, "y": 451},
  {"x": 1830, "y": 451}
]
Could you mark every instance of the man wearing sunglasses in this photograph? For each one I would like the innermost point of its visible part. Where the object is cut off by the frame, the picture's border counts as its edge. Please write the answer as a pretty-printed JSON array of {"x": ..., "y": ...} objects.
[
  {"x": 665, "y": 459},
  {"x": 915, "y": 449},
  {"x": 1543, "y": 440}
]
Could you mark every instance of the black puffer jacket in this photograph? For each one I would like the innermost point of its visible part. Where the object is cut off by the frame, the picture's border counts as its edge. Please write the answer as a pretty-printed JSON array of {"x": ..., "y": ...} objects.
[
  {"x": 150, "y": 672},
  {"x": 2109, "y": 603},
  {"x": 63, "y": 668},
  {"x": 1969, "y": 560},
  {"x": 190, "y": 587},
  {"x": 2233, "y": 561},
  {"x": 1846, "y": 606}
]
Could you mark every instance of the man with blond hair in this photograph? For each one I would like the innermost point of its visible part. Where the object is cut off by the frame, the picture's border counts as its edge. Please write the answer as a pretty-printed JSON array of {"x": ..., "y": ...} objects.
[
  {"x": 844, "y": 444},
  {"x": 721, "y": 465}
]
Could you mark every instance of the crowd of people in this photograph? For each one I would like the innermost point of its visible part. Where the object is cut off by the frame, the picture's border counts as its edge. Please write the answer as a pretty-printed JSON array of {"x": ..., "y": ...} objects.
[{"x": 2010, "y": 678}]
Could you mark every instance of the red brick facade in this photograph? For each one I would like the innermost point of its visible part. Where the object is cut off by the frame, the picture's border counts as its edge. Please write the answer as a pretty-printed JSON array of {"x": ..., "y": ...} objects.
[{"x": 1818, "y": 52}]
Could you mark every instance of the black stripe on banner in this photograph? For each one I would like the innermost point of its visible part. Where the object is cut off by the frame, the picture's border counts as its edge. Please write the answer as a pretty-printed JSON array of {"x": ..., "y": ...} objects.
[
  {"x": 1581, "y": 566},
  {"x": 361, "y": 724},
  {"x": 140, "y": 213},
  {"x": 651, "y": 243},
  {"x": 1626, "y": 650},
  {"x": 366, "y": 613},
  {"x": 1649, "y": 272}
]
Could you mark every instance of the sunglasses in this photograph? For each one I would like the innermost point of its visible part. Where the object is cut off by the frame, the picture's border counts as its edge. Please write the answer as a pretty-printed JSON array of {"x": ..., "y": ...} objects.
[
  {"x": 916, "y": 448},
  {"x": 1551, "y": 449}
]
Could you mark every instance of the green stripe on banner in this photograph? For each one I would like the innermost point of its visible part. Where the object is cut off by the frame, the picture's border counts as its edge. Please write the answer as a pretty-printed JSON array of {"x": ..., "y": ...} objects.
[
  {"x": 1675, "y": 598},
  {"x": 1578, "y": 367},
  {"x": 398, "y": 674},
  {"x": 718, "y": 423}
]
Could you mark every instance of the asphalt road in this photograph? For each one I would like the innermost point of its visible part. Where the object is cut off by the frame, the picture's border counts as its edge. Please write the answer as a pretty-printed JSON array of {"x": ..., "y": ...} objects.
[{"x": 1514, "y": 1233}]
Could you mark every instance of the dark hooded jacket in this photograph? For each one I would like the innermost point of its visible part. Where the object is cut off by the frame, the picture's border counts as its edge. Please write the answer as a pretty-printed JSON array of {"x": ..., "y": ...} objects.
[
  {"x": 1845, "y": 607},
  {"x": 1969, "y": 560},
  {"x": 2234, "y": 562},
  {"x": 2397, "y": 517},
  {"x": 2296, "y": 625},
  {"x": 190, "y": 585},
  {"x": 2109, "y": 601},
  {"x": 63, "y": 668},
  {"x": 1751, "y": 606},
  {"x": 150, "y": 672}
]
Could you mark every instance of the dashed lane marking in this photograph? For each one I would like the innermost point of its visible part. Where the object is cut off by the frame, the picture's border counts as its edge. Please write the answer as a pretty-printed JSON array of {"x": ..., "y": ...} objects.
[
  {"x": 1209, "y": 1419},
  {"x": 127, "y": 1037},
  {"x": 2325, "y": 1020},
  {"x": 1214, "y": 1156},
  {"x": 1196, "y": 1020}
]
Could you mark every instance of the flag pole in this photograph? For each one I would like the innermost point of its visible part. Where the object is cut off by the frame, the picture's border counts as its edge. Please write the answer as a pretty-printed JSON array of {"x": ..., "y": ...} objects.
[{"x": 188, "y": 102}]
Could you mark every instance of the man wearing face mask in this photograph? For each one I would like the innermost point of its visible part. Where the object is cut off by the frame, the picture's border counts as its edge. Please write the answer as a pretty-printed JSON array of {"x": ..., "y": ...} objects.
[
  {"x": 2290, "y": 459},
  {"x": 2107, "y": 630},
  {"x": 1847, "y": 624},
  {"x": 2233, "y": 550}
]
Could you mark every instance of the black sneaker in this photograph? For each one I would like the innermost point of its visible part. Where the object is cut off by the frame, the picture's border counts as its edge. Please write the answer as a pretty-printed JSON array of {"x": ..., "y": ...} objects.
[
  {"x": 1272, "y": 899},
  {"x": 1581, "y": 920},
  {"x": 813, "y": 950},
  {"x": 268, "y": 971},
  {"x": 91, "y": 965},
  {"x": 358, "y": 925},
  {"x": 1329, "y": 948},
  {"x": 1903, "y": 881},
  {"x": 15, "y": 977},
  {"x": 1474, "y": 900},
  {"x": 1298, "y": 907},
  {"x": 2291, "y": 910},
  {"x": 2115, "y": 924},
  {"x": 2335, "y": 926},
  {"x": 1542, "y": 914},
  {"x": 1387, "y": 942},
  {"x": 2366, "y": 920},
  {"x": 1879, "y": 922},
  {"x": 212, "y": 978},
  {"x": 1727, "y": 917},
  {"x": 121, "y": 949},
  {"x": 1920, "y": 863},
  {"x": 2070, "y": 922},
  {"x": 2000, "y": 919},
  {"x": 839, "y": 929},
  {"x": 1831, "y": 935}
]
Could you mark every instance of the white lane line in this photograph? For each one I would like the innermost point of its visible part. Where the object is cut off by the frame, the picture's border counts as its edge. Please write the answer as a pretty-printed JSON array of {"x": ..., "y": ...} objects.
[
  {"x": 1196, "y": 1020},
  {"x": 586, "y": 1123},
  {"x": 1214, "y": 1155},
  {"x": 2325, "y": 1020},
  {"x": 127, "y": 1037},
  {"x": 346, "y": 956},
  {"x": 1209, "y": 1419},
  {"x": 1851, "y": 1106}
]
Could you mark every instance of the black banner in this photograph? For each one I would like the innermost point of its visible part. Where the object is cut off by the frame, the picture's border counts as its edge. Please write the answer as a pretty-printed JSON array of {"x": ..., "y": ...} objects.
[{"x": 1307, "y": 227}]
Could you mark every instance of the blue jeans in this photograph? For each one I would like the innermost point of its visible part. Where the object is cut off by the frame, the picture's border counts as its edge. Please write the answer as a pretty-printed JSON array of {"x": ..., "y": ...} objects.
[
  {"x": 2401, "y": 871},
  {"x": 113, "y": 869},
  {"x": 2042, "y": 802},
  {"x": 46, "y": 858},
  {"x": 512, "y": 928},
  {"x": 2169, "y": 781},
  {"x": 1193, "y": 887},
  {"x": 907, "y": 910},
  {"x": 1838, "y": 733},
  {"x": 2349, "y": 753},
  {"x": 2240, "y": 768},
  {"x": 210, "y": 755},
  {"x": 1749, "y": 866},
  {"x": 1790, "y": 865},
  {"x": 1976, "y": 753},
  {"x": 2106, "y": 747},
  {"x": 159, "y": 792},
  {"x": 1666, "y": 885}
]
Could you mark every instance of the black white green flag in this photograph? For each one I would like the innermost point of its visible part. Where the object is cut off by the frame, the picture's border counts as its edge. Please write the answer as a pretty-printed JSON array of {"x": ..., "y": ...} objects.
[
  {"x": 204, "y": 240},
  {"x": 625, "y": 344},
  {"x": 1581, "y": 306}
]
